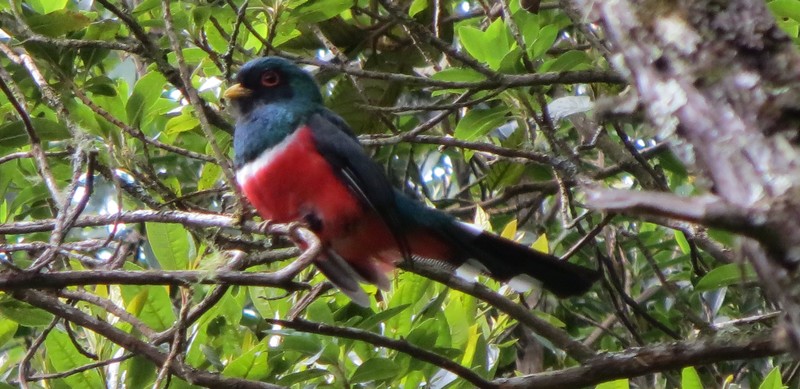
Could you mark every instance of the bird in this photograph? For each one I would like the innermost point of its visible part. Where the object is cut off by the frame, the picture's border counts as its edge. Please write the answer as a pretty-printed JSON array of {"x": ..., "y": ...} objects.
[{"x": 297, "y": 161}]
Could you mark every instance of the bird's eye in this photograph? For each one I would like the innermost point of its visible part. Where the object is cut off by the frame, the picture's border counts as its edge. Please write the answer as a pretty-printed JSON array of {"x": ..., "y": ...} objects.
[{"x": 270, "y": 78}]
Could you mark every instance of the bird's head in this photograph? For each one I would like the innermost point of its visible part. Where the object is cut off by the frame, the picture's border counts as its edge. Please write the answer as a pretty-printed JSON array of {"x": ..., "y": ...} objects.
[{"x": 271, "y": 80}]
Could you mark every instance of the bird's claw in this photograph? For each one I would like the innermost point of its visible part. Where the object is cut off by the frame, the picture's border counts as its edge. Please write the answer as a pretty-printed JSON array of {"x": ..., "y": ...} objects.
[{"x": 265, "y": 226}]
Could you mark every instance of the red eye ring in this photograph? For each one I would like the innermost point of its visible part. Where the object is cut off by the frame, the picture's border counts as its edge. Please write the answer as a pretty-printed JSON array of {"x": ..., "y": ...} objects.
[{"x": 270, "y": 78}]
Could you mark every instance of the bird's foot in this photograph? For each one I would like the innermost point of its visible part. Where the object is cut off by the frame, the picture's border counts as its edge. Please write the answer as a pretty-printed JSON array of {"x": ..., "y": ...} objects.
[{"x": 265, "y": 226}]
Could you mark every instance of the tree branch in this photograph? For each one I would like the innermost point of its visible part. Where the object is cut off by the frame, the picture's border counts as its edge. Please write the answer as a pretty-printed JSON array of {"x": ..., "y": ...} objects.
[
  {"x": 558, "y": 337},
  {"x": 382, "y": 341},
  {"x": 645, "y": 360},
  {"x": 707, "y": 210},
  {"x": 130, "y": 343}
]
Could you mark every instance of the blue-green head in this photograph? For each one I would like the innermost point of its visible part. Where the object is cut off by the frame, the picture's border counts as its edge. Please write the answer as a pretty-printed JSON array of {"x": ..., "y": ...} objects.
[{"x": 271, "y": 98}]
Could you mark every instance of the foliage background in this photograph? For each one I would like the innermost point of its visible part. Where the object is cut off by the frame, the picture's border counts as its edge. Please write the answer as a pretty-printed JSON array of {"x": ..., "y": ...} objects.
[{"x": 129, "y": 261}]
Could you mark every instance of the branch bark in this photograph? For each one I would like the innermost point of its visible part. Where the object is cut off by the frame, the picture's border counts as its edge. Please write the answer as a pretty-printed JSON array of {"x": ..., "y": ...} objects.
[
  {"x": 645, "y": 360},
  {"x": 736, "y": 117},
  {"x": 130, "y": 343}
]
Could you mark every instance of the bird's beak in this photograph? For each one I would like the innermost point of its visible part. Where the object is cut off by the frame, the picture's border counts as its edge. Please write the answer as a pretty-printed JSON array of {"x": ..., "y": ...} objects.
[{"x": 236, "y": 91}]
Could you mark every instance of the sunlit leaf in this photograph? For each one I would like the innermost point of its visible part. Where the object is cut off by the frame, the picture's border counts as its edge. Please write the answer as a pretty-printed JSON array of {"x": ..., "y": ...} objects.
[
  {"x": 7, "y": 330},
  {"x": 690, "y": 379},
  {"x": 541, "y": 244},
  {"x": 773, "y": 380},
  {"x": 477, "y": 123},
  {"x": 510, "y": 230},
  {"x": 417, "y": 6}
]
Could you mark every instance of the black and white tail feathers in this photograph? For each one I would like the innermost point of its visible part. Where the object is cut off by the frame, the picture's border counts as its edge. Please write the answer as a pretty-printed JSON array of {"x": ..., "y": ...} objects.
[{"x": 517, "y": 265}]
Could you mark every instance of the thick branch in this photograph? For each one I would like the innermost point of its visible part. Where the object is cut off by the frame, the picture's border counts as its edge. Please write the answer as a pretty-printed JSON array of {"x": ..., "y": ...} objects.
[
  {"x": 645, "y": 360},
  {"x": 707, "y": 210},
  {"x": 55, "y": 280},
  {"x": 189, "y": 219}
]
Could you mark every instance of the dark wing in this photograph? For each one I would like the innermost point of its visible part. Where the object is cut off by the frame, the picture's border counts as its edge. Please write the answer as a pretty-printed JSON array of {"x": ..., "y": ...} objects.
[{"x": 336, "y": 142}]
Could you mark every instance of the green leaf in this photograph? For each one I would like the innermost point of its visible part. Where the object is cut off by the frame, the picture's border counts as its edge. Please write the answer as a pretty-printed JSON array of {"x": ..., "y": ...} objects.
[
  {"x": 171, "y": 245},
  {"x": 468, "y": 355},
  {"x": 58, "y": 23},
  {"x": 489, "y": 46},
  {"x": 63, "y": 355},
  {"x": 320, "y": 312},
  {"x": 181, "y": 123},
  {"x": 149, "y": 303},
  {"x": 305, "y": 375},
  {"x": 101, "y": 85},
  {"x": 25, "y": 314},
  {"x": 145, "y": 93},
  {"x": 251, "y": 365},
  {"x": 373, "y": 320},
  {"x": 12, "y": 134},
  {"x": 772, "y": 380},
  {"x": 554, "y": 321},
  {"x": 410, "y": 291},
  {"x": 424, "y": 335},
  {"x": 473, "y": 41},
  {"x": 209, "y": 176},
  {"x": 726, "y": 275},
  {"x": 458, "y": 75},
  {"x": 375, "y": 369},
  {"x": 46, "y": 6},
  {"x": 690, "y": 379},
  {"x": 680, "y": 238},
  {"x": 785, "y": 9},
  {"x": 306, "y": 344},
  {"x": 618, "y": 384},
  {"x": 141, "y": 373},
  {"x": 7, "y": 330},
  {"x": 571, "y": 60},
  {"x": 544, "y": 41},
  {"x": 417, "y": 6},
  {"x": 497, "y": 43},
  {"x": 319, "y": 10},
  {"x": 478, "y": 122},
  {"x": 147, "y": 6},
  {"x": 268, "y": 301},
  {"x": 3, "y": 210},
  {"x": 528, "y": 24}
]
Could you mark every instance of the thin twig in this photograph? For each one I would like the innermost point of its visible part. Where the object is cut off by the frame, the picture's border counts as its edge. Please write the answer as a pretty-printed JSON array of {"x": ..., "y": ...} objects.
[
  {"x": 374, "y": 339},
  {"x": 22, "y": 374}
]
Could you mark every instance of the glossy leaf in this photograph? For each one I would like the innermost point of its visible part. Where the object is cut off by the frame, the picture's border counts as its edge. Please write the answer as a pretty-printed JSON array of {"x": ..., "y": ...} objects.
[
  {"x": 478, "y": 123},
  {"x": 690, "y": 379},
  {"x": 773, "y": 380}
]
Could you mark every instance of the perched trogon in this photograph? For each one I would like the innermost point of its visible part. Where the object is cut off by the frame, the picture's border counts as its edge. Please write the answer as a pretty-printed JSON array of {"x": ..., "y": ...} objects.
[{"x": 297, "y": 161}]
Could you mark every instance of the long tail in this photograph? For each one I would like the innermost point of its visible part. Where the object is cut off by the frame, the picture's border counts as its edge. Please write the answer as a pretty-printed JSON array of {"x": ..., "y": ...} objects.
[
  {"x": 518, "y": 265},
  {"x": 505, "y": 260}
]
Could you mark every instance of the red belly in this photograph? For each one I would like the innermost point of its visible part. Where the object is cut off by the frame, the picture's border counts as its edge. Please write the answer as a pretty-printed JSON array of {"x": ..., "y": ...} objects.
[{"x": 297, "y": 181}]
